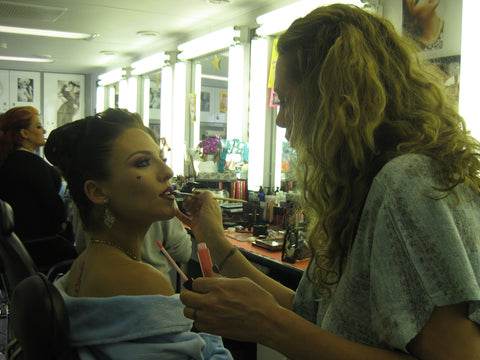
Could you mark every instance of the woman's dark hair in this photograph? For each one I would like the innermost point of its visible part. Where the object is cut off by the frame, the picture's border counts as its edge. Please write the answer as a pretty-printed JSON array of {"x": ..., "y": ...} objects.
[
  {"x": 11, "y": 122},
  {"x": 82, "y": 150}
]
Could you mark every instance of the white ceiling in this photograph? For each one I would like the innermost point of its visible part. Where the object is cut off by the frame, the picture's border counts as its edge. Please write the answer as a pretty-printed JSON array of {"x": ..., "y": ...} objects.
[{"x": 117, "y": 23}]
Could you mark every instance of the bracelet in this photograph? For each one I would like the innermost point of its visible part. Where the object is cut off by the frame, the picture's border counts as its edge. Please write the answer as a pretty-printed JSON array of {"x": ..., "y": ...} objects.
[{"x": 227, "y": 257}]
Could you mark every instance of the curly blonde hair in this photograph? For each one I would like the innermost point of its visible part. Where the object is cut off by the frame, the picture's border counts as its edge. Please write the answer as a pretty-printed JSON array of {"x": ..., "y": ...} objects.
[{"x": 362, "y": 98}]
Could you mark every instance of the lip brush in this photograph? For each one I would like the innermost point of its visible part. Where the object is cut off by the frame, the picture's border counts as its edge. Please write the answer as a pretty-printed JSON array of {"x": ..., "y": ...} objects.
[
  {"x": 187, "y": 282},
  {"x": 179, "y": 193}
]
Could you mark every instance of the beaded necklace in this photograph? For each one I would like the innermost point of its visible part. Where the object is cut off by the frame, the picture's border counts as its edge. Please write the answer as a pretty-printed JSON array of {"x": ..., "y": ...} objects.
[{"x": 128, "y": 252}]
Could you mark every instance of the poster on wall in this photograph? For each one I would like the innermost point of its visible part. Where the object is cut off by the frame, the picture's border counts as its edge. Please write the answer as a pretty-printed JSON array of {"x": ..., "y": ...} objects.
[
  {"x": 205, "y": 101},
  {"x": 155, "y": 98},
  {"x": 223, "y": 101},
  {"x": 25, "y": 89},
  {"x": 274, "y": 100},
  {"x": 435, "y": 26},
  {"x": 64, "y": 99},
  {"x": 156, "y": 129},
  {"x": 4, "y": 91}
]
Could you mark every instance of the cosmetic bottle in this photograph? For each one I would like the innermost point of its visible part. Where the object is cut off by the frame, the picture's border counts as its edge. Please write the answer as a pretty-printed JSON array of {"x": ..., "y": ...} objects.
[{"x": 261, "y": 194}]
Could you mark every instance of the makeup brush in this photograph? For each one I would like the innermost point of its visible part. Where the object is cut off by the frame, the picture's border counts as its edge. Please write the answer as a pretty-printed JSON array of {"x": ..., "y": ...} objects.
[{"x": 182, "y": 194}]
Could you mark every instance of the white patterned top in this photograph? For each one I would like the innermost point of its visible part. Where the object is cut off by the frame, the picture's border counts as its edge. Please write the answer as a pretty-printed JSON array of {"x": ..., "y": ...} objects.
[{"x": 411, "y": 253}]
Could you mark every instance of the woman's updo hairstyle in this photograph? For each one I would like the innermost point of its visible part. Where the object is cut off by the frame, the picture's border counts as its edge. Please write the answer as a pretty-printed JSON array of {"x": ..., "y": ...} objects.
[{"x": 82, "y": 149}]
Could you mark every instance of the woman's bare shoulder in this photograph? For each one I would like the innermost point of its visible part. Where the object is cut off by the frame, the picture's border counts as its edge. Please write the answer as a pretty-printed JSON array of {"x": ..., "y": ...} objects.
[
  {"x": 115, "y": 278},
  {"x": 144, "y": 279}
]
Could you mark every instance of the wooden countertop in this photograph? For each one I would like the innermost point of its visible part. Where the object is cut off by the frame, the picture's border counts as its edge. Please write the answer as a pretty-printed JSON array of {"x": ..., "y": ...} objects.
[{"x": 268, "y": 254}]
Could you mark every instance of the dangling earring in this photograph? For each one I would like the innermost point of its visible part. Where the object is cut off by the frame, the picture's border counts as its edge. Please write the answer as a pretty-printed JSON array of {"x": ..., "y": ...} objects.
[{"x": 108, "y": 217}]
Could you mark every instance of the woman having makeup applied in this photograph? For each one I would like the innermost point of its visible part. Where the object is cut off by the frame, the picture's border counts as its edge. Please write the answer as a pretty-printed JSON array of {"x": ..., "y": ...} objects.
[
  {"x": 390, "y": 177},
  {"x": 119, "y": 306}
]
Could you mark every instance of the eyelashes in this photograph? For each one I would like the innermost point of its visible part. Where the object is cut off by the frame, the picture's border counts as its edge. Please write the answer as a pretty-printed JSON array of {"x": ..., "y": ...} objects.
[
  {"x": 142, "y": 163},
  {"x": 145, "y": 161}
]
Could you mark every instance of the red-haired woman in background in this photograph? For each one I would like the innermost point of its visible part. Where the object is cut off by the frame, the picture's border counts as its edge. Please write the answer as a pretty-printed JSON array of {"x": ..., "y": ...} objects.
[{"x": 31, "y": 186}]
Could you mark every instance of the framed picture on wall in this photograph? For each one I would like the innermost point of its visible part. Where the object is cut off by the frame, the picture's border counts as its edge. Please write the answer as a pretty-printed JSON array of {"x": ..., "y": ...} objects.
[
  {"x": 223, "y": 101},
  {"x": 205, "y": 101},
  {"x": 64, "y": 99},
  {"x": 274, "y": 100},
  {"x": 4, "y": 91},
  {"x": 25, "y": 89},
  {"x": 155, "y": 97},
  {"x": 155, "y": 128}
]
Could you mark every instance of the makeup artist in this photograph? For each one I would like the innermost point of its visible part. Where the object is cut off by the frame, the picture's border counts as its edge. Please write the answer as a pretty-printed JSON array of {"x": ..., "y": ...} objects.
[{"x": 390, "y": 177}]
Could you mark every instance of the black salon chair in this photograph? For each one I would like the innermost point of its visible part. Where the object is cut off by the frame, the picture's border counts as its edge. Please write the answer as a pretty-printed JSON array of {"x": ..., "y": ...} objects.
[
  {"x": 16, "y": 263},
  {"x": 48, "y": 251},
  {"x": 40, "y": 321}
]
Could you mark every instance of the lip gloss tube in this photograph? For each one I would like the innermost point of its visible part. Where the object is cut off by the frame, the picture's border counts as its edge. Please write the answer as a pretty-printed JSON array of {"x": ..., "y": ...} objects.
[{"x": 205, "y": 260}]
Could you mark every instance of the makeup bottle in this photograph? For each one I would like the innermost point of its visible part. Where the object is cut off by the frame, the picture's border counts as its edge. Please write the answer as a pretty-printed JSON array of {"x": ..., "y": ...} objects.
[{"x": 261, "y": 194}]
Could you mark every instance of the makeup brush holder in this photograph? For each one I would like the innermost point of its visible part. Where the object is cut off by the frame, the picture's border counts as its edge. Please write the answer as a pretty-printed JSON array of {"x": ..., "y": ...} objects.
[{"x": 259, "y": 230}]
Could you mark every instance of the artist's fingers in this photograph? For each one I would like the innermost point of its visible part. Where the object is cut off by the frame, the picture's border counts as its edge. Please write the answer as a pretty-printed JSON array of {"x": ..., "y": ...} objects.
[
  {"x": 190, "y": 313},
  {"x": 193, "y": 204},
  {"x": 189, "y": 203},
  {"x": 183, "y": 218},
  {"x": 195, "y": 298}
]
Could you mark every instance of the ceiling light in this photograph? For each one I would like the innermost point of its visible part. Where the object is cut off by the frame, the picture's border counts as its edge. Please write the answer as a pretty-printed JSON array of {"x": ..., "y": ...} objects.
[
  {"x": 214, "y": 77},
  {"x": 147, "y": 33},
  {"x": 111, "y": 76},
  {"x": 42, "y": 55},
  {"x": 48, "y": 33},
  {"x": 219, "y": 2},
  {"x": 280, "y": 19},
  {"x": 148, "y": 64},
  {"x": 208, "y": 43},
  {"x": 27, "y": 59},
  {"x": 108, "y": 53}
]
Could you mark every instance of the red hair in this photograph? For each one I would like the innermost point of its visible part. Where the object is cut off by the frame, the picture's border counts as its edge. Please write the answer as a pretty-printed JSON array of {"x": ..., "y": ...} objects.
[{"x": 11, "y": 122}]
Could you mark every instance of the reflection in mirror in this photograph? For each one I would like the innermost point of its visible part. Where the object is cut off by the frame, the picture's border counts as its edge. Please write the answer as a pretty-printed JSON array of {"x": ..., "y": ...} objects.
[
  {"x": 113, "y": 95},
  {"x": 213, "y": 95}
]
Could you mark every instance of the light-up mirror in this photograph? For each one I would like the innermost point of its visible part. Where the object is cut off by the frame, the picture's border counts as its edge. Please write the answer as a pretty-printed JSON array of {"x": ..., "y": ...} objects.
[{"x": 213, "y": 95}]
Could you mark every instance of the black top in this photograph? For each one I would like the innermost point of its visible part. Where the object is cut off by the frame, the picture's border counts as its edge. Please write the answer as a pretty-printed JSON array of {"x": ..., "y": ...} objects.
[{"x": 31, "y": 186}]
